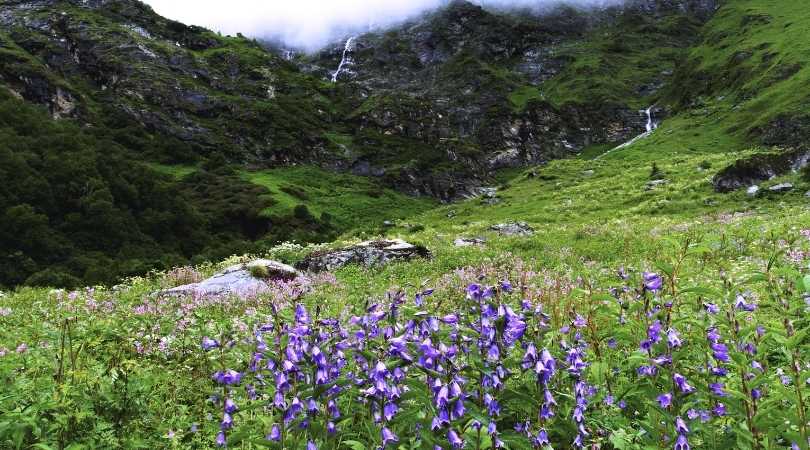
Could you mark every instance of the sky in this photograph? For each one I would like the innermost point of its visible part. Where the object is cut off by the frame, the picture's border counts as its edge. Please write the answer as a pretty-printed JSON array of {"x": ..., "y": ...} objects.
[{"x": 310, "y": 24}]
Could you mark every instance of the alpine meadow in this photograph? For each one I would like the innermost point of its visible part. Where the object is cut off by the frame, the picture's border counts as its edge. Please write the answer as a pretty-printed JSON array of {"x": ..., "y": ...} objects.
[{"x": 449, "y": 224}]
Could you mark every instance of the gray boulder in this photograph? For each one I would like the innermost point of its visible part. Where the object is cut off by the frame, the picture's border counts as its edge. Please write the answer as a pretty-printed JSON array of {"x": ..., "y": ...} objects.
[
  {"x": 807, "y": 194},
  {"x": 469, "y": 242},
  {"x": 513, "y": 229},
  {"x": 782, "y": 187},
  {"x": 655, "y": 183},
  {"x": 370, "y": 253},
  {"x": 758, "y": 168},
  {"x": 241, "y": 280},
  {"x": 752, "y": 191}
]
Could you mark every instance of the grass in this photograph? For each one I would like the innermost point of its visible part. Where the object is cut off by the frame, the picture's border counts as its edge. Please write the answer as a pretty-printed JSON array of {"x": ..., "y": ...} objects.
[
  {"x": 754, "y": 56},
  {"x": 178, "y": 172},
  {"x": 521, "y": 96},
  {"x": 354, "y": 203}
]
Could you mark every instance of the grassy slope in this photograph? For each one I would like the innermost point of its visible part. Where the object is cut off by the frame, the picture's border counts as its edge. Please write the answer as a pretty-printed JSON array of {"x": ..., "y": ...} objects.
[
  {"x": 356, "y": 204},
  {"x": 752, "y": 63}
]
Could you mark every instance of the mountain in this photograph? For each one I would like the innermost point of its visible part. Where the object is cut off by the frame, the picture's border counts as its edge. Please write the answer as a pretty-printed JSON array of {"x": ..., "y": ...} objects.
[{"x": 175, "y": 142}]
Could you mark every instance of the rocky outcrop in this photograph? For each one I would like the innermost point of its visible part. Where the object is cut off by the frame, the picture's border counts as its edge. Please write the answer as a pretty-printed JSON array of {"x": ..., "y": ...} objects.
[
  {"x": 781, "y": 188},
  {"x": 513, "y": 229},
  {"x": 469, "y": 242},
  {"x": 760, "y": 167},
  {"x": 368, "y": 254},
  {"x": 242, "y": 280}
]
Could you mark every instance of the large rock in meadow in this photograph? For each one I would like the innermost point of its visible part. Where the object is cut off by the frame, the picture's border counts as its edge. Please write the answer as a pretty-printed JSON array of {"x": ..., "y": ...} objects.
[
  {"x": 241, "y": 280},
  {"x": 758, "y": 168},
  {"x": 513, "y": 229},
  {"x": 370, "y": 253}
]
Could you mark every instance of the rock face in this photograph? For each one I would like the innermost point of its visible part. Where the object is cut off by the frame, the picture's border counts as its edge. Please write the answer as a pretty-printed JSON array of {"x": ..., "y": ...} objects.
[
  {"x": 513, "y": 229},
  {"x": 239, "y": 280},
  {"x": 431, "y": 82},
  {"x": 758, "y": 168},
  {"x": 370, "y": 253},
  {"x": 435, "y": 104}
]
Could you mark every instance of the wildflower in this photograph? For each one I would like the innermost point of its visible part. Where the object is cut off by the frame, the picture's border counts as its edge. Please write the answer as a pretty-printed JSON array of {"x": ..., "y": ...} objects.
[
  {"x": 682, "y": 384},
  {"x": 454, "y": 439},
  {"x": 681, "y": 443},
  {"x": 542, "y": 438},
  {"x": 228, "y": 377},
  {"x": 717, "y": 389},
  {"x": 450, "y": 319},
  {"x": 652, "y": 281},
  {"x": 741, "y": 305},
  {"x": 311, "y": 446},
  {"x": 665, "y": 400},
  {"x": 720, "y": 352},
  {"x": 22, "y": 348},
  {"x": 388, "y": 437},
  {"x": 680, "y": 426},
  {"x": 719, "y": 410},
  {"x": 711, "y": 308},
  {"x": 389, "y": 410},
  {"x": 756, "y": 394},
  {"x": 221, "y": 439},
  {"x": 647, "y": 371},
  {"x": 506, "y": 286},
  {"x": 673, "y": 340},
  {"x": 275, "y": 433},
  {"x": 209, "y": 344}
]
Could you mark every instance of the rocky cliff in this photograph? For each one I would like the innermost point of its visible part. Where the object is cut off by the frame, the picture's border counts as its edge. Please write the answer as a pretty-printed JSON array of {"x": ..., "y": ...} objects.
[{"x": 430, "y": 107}]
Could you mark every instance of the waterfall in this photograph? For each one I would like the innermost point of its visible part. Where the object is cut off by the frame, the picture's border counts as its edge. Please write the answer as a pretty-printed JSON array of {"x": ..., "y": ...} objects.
[
  {"x": 345, "y": 59},
  {"x": 650, "y": 126}
]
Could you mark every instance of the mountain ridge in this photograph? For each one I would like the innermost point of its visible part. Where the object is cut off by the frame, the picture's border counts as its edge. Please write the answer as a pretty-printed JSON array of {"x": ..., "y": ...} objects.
[{"x": 444, "y": 107}]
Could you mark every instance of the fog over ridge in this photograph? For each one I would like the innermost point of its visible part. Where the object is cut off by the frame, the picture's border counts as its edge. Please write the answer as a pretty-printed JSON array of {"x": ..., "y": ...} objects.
[{"x": 312, "y": 24}]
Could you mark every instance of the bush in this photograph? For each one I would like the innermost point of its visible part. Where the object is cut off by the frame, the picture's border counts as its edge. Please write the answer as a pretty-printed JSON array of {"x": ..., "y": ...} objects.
[
  {"x": 301, "y": 212},
  {"x": 656, "y": 173}
]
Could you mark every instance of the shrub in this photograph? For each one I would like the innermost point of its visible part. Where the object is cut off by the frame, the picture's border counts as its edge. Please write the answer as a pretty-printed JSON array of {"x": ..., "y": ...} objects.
[
  {"x": 656, "y": 173},
  {"x": 301, "y": 212}
]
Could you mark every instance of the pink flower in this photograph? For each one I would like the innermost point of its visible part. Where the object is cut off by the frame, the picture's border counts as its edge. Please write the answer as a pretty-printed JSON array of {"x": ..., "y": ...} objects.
[{"x": 22, "y": 348}]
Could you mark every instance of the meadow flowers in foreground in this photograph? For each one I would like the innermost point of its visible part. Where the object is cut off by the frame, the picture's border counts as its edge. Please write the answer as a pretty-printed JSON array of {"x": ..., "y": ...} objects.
[
  {"x": 705, "y": 349},
  {"x": 642, "y": 365}
]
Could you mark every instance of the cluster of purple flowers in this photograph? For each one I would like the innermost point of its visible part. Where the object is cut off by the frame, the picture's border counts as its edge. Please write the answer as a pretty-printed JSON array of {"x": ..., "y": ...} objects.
[{"x": 462, "y": 365}]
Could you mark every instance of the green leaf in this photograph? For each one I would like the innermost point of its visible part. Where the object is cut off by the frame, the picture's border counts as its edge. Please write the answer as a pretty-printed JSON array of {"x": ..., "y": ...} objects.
[
  {"x": 354, "y": 445},
  {"x": 797, "y": 339}
]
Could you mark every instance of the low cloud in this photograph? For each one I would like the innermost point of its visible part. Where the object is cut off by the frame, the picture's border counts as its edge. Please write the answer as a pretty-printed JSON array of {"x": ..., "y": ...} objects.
[{"x": 312, "y": 24}]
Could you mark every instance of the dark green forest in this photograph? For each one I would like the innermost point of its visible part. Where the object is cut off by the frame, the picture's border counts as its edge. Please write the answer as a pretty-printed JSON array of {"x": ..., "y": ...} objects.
[{"x": 76, "y": 206}]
